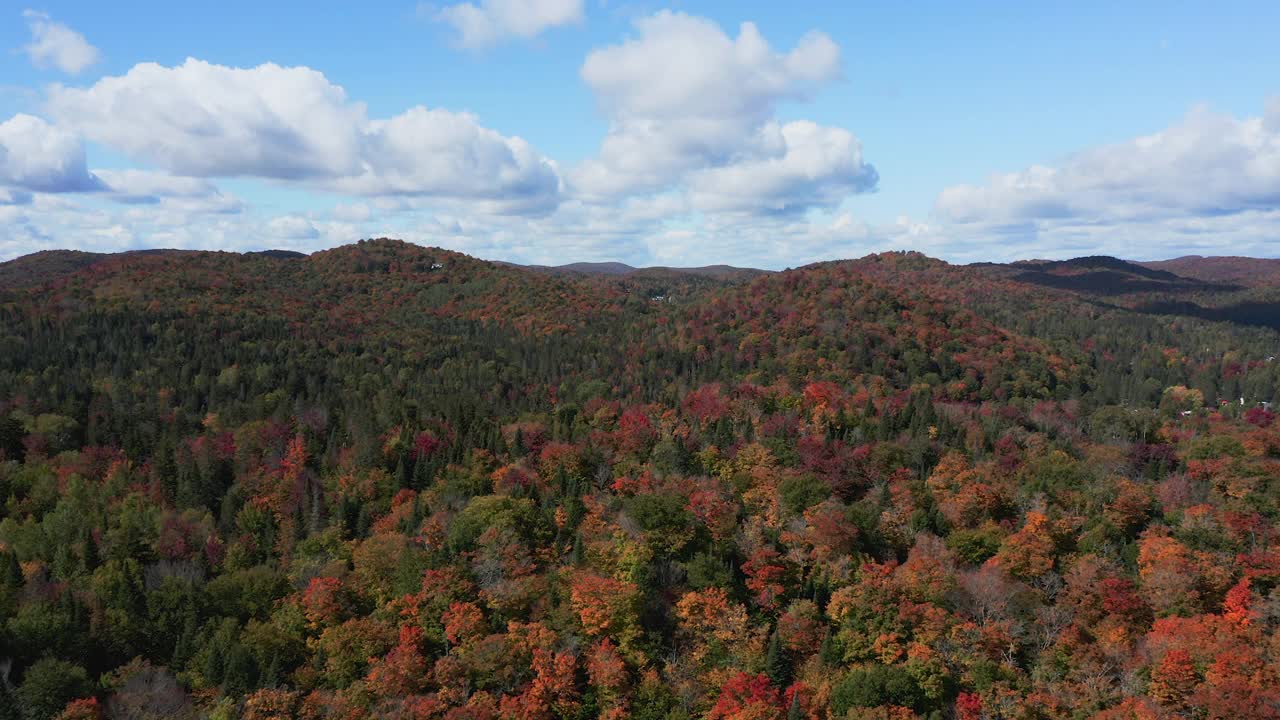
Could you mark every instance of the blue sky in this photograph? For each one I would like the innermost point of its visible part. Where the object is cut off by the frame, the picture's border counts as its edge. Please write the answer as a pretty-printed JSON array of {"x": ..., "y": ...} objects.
[{"x": 563, "y": 130}]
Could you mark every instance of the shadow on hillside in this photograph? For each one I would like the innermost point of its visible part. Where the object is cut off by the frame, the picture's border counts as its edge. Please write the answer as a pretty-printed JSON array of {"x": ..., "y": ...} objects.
[
  {"x": 1258, "y": 313},
  {"x": 1110, "y": 282}
]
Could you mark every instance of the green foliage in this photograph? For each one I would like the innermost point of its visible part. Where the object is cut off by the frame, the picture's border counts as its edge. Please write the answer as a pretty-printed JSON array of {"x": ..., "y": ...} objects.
[
  {"x": 48, "y": 685},
  {"x": 395, "y": 481},
  {"x": 802, "y": 491},
  {"x": 249, "y": 593},
  {"x": 875, "y": 685},
  {"x": 975, "y": 546},
  {"x": 519, "y": 515}
]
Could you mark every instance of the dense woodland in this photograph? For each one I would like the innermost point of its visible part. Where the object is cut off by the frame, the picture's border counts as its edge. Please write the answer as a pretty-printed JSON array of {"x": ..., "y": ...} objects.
[{"x": 398, "y": 482}]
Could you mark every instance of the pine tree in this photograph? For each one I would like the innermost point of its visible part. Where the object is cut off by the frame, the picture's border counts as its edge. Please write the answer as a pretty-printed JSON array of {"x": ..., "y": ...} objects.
[
  {"x": 777, "y": 663},
  {"x": 829, "y": 652},
  {"x": 795, "y": 712}
]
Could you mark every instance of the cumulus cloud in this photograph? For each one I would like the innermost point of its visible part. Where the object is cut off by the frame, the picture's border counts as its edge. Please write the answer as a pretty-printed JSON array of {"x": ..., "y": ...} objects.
[
  {"x": 292, "y": 227},
  {"x": 681, "y": 66},
  {"x": 493, "y": 21},
  {"x": 1206, "y": 165},
  {"x": 688, "y": 104},
  {"x": 207, "y": 120},
  {"x": 13, "y": 196},
  {"x": 813, "y": 165},
  {"x": 36, "y": 156},
  {"x": 352, "y": 212},
  {"x": 147, "y": 187},
  {"x": 443, "y": 153},
  {"x": 56, "y": 45},
  {"x": 694, "y": 157},
  {"x": 290, "y": 123}
]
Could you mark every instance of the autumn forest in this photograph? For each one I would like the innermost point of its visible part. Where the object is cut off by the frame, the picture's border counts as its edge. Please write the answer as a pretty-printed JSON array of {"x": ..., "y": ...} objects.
[{"x": 400, "y": 482}]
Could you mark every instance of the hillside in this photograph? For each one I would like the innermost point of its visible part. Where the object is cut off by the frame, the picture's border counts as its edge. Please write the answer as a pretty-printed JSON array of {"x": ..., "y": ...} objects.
[
  {"x": 1106, "y": 276},
  {"x": 41, "y": 267},
  {"x": 1221, "y": 291},
  {"x": 1252, "y": 272},
  {"x": 385, "y": 480},
  {"x": 717, "y": 272}
]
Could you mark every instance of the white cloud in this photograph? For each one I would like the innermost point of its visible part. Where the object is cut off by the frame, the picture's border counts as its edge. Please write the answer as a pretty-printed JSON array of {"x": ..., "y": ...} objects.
[
  {"x": 689, "y": 105},
  {"x": 448, "y": 154},
  {"x": 292, "y": 227},
  {"x": 209, "y": 120},
  {"x": 352, "y": 212},
  {"x": 814, "y": 165},
  {"x": 695, "y": 158},
  {"x": 1208, "y": 184},
  {"x": 683, "y": 66},
  {"x": 1205, "y": 165},
  {"x": 13, "y": 196},
  {"x": 56, "y": 45},
  {"x": 643, "y": 231},
  {"x": 146, "y": 187},
  {"x": 493, "y": 21},
  {"x": 1250, "y": 233},
  {"x": 291, "y": 124},
  {"x": 37, "y": 156}
]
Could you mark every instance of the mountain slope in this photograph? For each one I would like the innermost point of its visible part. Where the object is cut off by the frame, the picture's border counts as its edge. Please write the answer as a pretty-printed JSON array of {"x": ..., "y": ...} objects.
[
  {"x": 41, "y": 267},
  {"x": 1105, "y": 276},
  {"x": 1253, "y": 272},
  {"x": 393, "y": 481},
  {"x": 719, "y": 272}
]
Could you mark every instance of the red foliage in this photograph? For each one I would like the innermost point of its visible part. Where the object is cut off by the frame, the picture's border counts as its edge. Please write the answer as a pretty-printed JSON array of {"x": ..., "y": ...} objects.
[
  {"x": 403, "y": 670},
  {"x": 462, "y": 621},
  {"x": 1174, "y": 678},
  {"x": 748, "y": 697},
  {"x": 601, "y": 603},
  {"x": 765, "y": 577},
  {"x": 968, "y": 706},
  {"x": 1237, "y": 607},
  {"x": 605, "y": 667},
  {"x": 82, "y": 709},
  {"x": 635, "y": 432},
  {"x": 552, "y": 692},
  {"x": 715, "y": 509},
  {"x": 425, "y": 444},
  {"x": 706, "y": 404},
  {"x": 1260, "y": 417},
  {"x": 324, "y": 602}
]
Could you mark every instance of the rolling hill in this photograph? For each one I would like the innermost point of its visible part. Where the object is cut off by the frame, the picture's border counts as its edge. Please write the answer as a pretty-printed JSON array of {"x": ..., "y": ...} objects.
[
  {"x": 386, "y": 480},
  {"x": 1253, "y": 272}
]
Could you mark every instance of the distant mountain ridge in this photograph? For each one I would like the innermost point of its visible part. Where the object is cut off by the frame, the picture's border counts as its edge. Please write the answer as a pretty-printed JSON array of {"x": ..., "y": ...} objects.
[
  {"x": 1235, "y": 269},
  {"x": 1103, "y": 275},
  {"x": 723, "y": 272},
  {"x": 45, "y": 265},
  {"x": 1092, "y": 275}
]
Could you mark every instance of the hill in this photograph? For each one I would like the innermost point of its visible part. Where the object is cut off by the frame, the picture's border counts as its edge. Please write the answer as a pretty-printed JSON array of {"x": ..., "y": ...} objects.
[
  {"x": 719, "y": 272},
  {"x": 386, "y": 480},
  {"x": 38, "y": 268},
  {"x": 1252, "y": 272},
  {"x": 1102, "y": 275},
  {"x": 49, "y": 265},
  {"x": 1217, "y": 289}
]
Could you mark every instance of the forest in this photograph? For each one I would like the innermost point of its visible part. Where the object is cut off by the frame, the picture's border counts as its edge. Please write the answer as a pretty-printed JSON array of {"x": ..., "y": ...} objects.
[{"x": 391, "y": 481}]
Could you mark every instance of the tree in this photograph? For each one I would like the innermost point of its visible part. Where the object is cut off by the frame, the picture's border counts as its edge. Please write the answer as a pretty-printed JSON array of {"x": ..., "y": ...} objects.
[
  {"x": 1173, "y": 679},
  {"x": 1028, "y": 553},
  {"x": 48, "y": 685},
  {"x": 777, "y": 664},
  {"x": 402, "y": 671},
  {"x": 748, "y": 697},
  {"x": 1168, "y": 574},
  {"x": 874, "y": 686},
  {"x": 604, "y": 606}
]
